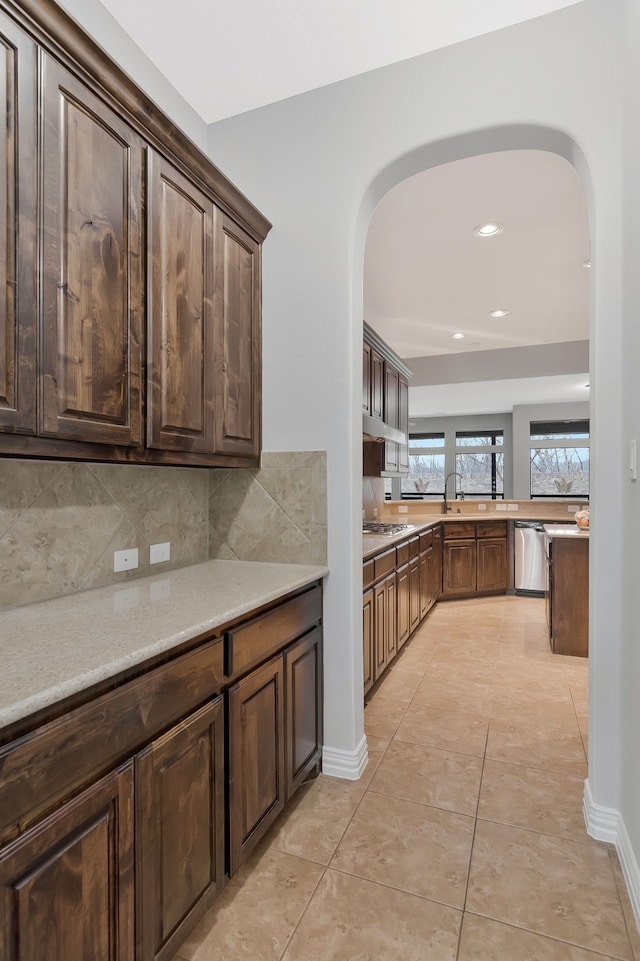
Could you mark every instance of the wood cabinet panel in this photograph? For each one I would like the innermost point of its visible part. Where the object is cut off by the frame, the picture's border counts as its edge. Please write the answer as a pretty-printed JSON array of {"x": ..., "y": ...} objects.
[
  {"x": 377, "y": 385},
  {"x": 379, "y": 630},
  {"x": 67, "y": 885},
  {"x": 256, "y": 757},
  {"x": 180, "y": 311},
  {"x": 45, "y": 766},
  {"x": 18, "y": 220},
  {"x": 425, "y": 581},
  {"x": 390, "y": 583},
  {"x": 368, "y": 640},
  {"x": 238, "y": 347},
  {"x": 257, "y": 639},
  {"x": 491, "y": 564},
  {"x": 568, "y": 596},
  {"x": 391, "y": 415},
  {"x": 180, "y": 829},
  {"x": 92, "y": 297},
  {"x": 303, "y": 674},
  {"x": 459, "y": 567},
  {"x": 414, "y": 594},
  {"x": 403, "y": 601},
  {"x": 366, "y": 378}
]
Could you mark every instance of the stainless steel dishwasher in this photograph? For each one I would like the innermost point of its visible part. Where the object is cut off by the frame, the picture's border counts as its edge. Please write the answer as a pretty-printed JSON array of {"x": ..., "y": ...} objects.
[{"x": 529, "y": 558}]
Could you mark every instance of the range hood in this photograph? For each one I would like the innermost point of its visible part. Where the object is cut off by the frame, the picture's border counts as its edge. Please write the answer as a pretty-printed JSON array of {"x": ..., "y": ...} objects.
[{"x": 379, "y": 432}]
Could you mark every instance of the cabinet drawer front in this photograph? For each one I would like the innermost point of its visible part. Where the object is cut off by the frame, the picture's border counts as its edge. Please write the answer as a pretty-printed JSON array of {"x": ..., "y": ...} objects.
[
  {"x": 414, "y": 547},
  {"x": 463, "y": 529},
  {"x": 43, "y": 767},
  {"x": 368, "y": 574},
  {"x": 492, "y": 529},
  {"x": 385, "y": 563},
  {"x": 257, "y": 640},
  {"x": 402, "y": 554},
  {"x": 426, "y": 540}
]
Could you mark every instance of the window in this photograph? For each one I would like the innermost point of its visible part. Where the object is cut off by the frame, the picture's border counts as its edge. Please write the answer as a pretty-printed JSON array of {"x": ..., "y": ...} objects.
[
  {"x": 560, "y": 458},
  {"x": 426, "y": 467},
  {"x": 480, "y": 462}
]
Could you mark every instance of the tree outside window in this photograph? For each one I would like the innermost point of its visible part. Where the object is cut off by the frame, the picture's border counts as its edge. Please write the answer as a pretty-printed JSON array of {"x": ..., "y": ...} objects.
[{"x": 560, "y": 468}]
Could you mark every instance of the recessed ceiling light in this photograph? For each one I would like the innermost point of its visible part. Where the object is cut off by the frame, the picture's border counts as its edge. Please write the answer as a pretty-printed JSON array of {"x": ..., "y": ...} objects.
[
  {"x": 457, "y": 336},
  {"x": 498, "y": 313},
  {"x": 490, "y": 229},
  {"x": 586, "y": 264}
]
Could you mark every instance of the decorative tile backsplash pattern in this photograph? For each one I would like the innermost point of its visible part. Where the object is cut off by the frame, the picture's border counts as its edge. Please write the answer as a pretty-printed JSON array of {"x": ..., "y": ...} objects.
[
  {"x": 61, "y": 522},
  {"x": 277, "y": 513}
]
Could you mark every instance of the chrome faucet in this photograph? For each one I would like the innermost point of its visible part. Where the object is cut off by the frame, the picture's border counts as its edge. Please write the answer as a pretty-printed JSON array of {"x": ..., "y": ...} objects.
[{"x": 454, "y": 473}]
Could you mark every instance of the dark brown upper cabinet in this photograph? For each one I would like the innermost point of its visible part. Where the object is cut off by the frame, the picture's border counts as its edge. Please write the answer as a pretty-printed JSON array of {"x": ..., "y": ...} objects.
[
  {"x": 238, "y": 344},
  {"x": 91, "y": 281},
  {"x": 18, "y": 193},
  {"x": 130, "y": 323},
  {"x": 180, "y": 312}
]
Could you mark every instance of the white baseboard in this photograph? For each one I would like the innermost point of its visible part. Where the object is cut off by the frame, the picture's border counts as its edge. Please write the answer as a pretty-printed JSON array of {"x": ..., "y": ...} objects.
[
  {"x": 606, "y": 824},
  {"x": 346, "y": 764},
  {"x": 602, "y": 822}
]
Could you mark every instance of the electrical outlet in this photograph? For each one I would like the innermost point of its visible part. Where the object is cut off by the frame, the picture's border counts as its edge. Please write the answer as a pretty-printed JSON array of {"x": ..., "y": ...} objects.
[
  {"x": 572, "y": 508},
  {"x": 158, "y": 553},
  {"x": 513, "y": 507},
  {"x": 125, "y": 560},
  {"x": 403, "y": 509},
  {"x": 501, "y": 507},
  {"x": 482, "y": 507}
]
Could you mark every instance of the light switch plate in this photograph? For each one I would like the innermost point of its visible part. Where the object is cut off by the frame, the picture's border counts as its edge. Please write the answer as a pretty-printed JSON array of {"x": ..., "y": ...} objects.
[
  {"x": 158, "y": 553},
  {"x": 125, "y": 560}
]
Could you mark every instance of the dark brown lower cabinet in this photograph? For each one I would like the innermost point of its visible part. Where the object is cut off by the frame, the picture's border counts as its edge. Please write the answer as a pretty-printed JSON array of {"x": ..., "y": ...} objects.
[
  {"x": 380, "y": 625},
  {"x": 67, "y": 885},
  {"x": 303, "y": 681},
  {"x": 491, "y": 564},
  {"x": 275, "y": 738},
  {"x": 390, "y": 584},
  {"x": 256, "y": 757},
  {"x": 459, "y": 567},
  {"x": 403, "y": 602},
  {"x": 367, "y": 639},
  {"x": 179, "y": 830}
]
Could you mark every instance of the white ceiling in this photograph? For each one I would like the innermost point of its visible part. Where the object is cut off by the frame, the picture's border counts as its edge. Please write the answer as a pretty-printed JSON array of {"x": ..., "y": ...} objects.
[
  {"x": 229, "y": 56},
  {"x": 425, "y": 273},
  {"x": 498, "y": 396}
]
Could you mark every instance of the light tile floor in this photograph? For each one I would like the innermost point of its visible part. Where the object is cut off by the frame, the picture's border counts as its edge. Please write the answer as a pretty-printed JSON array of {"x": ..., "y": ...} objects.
[{"x": 464, "y": 840}]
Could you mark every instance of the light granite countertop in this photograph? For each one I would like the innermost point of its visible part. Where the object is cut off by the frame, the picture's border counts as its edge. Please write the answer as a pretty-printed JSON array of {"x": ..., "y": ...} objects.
[
  {"x": 58, "y": 647},
  {"x": 570, "y": 530},
  {"x": 373, "y": 544}
]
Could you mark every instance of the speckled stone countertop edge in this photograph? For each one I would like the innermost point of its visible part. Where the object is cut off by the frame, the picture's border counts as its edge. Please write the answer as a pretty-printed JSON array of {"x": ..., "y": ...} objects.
[{"x": 57, "y": 648}]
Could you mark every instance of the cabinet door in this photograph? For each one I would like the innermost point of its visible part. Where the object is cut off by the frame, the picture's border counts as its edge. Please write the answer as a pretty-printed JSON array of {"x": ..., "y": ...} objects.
[
  {"x": 179, "y": 312},
  {"x": 414, "y": 594},
  {"x": 392, "y": 449},
  {"x": 436, "y": 565},
  {"x": 459, "y": 567},
  {"x": 403, "y": 602},
  {"x": 366, "y": 378},
  {"x": 179, "y": 829},
  {"x": 256, "y": 757},
  {"x": 18, "y": 219},
  {"x": 368, "y": 656},
  {"x": 425, "y": 582},
  {"x": 377, "y": 385},
  {"x": 492, "y": 564},
  {"x": 379, "y": 629},
  {"x": 66, "y": 886},
  {"x": 303, "y": 674},
  {"x": 91, "y": 319},
  {"x": 403, "y": 424},
  {"x": 238, "y": 345},
  {"x": 392, "y": 617}
]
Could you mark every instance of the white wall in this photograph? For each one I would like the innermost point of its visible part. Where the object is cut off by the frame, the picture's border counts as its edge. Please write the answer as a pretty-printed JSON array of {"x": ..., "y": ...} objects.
[
  {"x": 316, "y": 165},
  {"x": 629, "y": 682}
]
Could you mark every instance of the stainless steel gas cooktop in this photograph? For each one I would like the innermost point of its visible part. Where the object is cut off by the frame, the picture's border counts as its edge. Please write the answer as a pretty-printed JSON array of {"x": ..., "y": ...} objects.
[{"x": 384, "y": 530}]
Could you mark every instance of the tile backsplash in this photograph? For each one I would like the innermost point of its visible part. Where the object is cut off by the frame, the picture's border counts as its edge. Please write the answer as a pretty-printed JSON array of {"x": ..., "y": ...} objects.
[{"x": 61, "y": 522}]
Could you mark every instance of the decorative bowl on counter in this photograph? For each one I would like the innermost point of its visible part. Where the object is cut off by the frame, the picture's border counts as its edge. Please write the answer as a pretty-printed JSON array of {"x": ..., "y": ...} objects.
[{"x": 582, "y": 519}]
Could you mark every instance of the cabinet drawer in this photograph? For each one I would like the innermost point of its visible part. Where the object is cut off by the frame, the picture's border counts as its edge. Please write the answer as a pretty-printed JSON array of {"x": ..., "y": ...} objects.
[
  {"x": 45, "y": 766},
  {"x": 426, "y": 540},
  {"x": 402, "y": 554},
  {"x": 368, "y": 574},
  {"x": 385, "y": 563},
  {"x": 492, "y": 529},
  {"x": 463, "y": 529},
  {"x": 261, "y": 637},
  {"x": 414, "y": 547}
]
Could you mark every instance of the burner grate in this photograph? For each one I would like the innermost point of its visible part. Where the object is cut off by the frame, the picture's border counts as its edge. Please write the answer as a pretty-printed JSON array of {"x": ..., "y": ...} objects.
[{"x": 384, "y": 530}]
